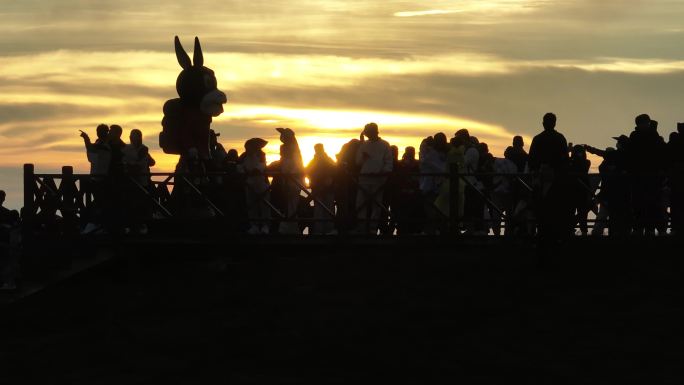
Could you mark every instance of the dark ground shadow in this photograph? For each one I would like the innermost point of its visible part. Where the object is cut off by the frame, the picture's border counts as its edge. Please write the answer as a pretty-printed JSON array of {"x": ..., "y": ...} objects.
[{"x": 491, "y": 314}]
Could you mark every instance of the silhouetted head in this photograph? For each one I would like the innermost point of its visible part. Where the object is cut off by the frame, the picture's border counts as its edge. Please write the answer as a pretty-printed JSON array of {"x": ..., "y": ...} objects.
[
  {"x": 427, "y": 142},
  {"x": 474, "y": 141},
  {"x": 287, "y": 136},
  {"x": 680, "y": 128},
  {"x": 136, "y": 137},
  {"x": 102, "y": 131},
  {"x": 371, "y": 130},
  {"x": 483, "y": 148},
  {"x": 653, "y": 125},
  {"x": 440, "y": 141},
  {"x": 196, "y": 84},
  {"x": 642, "y": 121},
  {"x": 461, "y": 138},
  {"x": 508, "y": 153},
  {"x": 254, "y": 145},
  {"x": 3, "y": 195},
  {"x": 319, "y": 149},
  {"x": 232, "y": 155},
  {"x": 409, "y": 154},
  {"x": 578, "y": 151},
  {"x": 395, "y": 152},
  {"x": 549, "y": 121},
  {"x": 674, "y": 137},
  {"x": 622, "y": 141},
  {"x": 518, "y": 141},
  {"x": 463, "y": 134},
  {"x": 115, "y": 131}
]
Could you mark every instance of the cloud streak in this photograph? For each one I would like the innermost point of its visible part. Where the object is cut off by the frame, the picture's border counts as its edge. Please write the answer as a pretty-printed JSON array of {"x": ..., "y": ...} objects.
[{"x": 429, "y": 12}]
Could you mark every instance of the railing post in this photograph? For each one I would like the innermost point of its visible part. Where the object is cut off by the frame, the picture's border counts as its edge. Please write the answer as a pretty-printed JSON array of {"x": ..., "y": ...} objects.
[
  {"x": 68, "y": 207},
  {"x": 454, "y": 184},
  {"x": 29, "y": 192}
]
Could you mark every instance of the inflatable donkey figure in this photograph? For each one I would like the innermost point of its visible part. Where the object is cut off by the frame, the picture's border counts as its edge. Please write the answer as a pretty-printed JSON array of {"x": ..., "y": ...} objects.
[{"x": 185, "y": 127}]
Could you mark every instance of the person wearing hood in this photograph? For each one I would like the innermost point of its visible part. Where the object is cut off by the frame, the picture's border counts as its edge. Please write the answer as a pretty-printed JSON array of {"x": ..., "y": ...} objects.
[
  {"x": 290, "y": 163},
  {"x": 374, "y": 156},
  {"x": 321, "y": 172},
  {"x": 253, "y": 164}
]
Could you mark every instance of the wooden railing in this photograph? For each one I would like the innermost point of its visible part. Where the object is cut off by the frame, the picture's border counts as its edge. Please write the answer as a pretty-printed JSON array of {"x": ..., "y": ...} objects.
[{"x": 73, "y": 198}]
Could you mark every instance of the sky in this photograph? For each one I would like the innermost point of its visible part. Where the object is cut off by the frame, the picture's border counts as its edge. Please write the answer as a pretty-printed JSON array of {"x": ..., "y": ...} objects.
[{"x": 326, "y": 68}]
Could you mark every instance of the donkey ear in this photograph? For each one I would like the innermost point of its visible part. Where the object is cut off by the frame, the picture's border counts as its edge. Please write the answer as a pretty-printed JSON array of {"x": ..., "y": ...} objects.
[
  {"x": 181, "y": 55},
  {"x": 197, "y": 57}
]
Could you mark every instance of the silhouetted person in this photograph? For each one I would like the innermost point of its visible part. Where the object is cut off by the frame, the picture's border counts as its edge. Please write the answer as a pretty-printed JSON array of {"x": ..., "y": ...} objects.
[
  {"x": 458, "y": 146},
  {"x": 615, "y": 196},
  {"x": 137, "y": 158},
  {"x": 646, "y": 162},
  {"x": 113, "y": 187},
  {"x": 116, "y": 146},
  {"x": 99, "y": 156},
  {"x": 217, "y": 153},
  {"x": 345, "y": 187},
  {"x": 502, "y": 193},
  {"x": 517, "y": 154},
  {"x": 676, "y": 178},
  {"x": 137, "y": 162},
  {"x": 549, "y": 158},
  {"x": 474, "y": 205},
  {"x": 235, "y": 207},
  {"x": 253, "y": 163},
  {"x": 580, "y": 190},
  {"x": 388, "y": 222},
  {"x": 10, "y": 237},
  {"x": 521, "y": 213},
  {"x": 373, "y": 157},
  {"x": 408, "y": 209},
  {"x": 433, "y": 153},
  {"x": 4, "y": 212},
  {"x": 278, "y": 194},
  {"x": 321, "y": 171},
  {"x": 291, "y": 163},
  {"x": 98, "y": 153}
]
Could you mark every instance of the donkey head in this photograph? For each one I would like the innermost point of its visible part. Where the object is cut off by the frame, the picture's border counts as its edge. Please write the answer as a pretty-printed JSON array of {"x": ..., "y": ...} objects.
[{"x": 196, "y": 84}]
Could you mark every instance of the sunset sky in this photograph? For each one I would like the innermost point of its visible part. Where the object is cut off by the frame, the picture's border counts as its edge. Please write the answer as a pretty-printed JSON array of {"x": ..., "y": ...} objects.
[{"x": 325, "y": 68}]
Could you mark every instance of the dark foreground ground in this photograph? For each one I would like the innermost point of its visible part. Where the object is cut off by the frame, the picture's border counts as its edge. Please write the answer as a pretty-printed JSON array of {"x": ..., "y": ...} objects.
[{"x": 426, "y": 312}]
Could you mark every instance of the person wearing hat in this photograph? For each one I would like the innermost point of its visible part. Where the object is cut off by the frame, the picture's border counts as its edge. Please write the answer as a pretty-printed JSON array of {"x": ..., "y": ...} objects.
[
  {"x": 374, "y": 156},
  {"x": 290, "y": 163},
  {"x": 646, "y": 162},
  {"x": 253, "y": 163}
]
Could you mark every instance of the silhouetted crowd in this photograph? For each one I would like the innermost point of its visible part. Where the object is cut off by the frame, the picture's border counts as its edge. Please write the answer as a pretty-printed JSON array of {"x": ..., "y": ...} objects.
[{"x": 369, "y": 189}]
